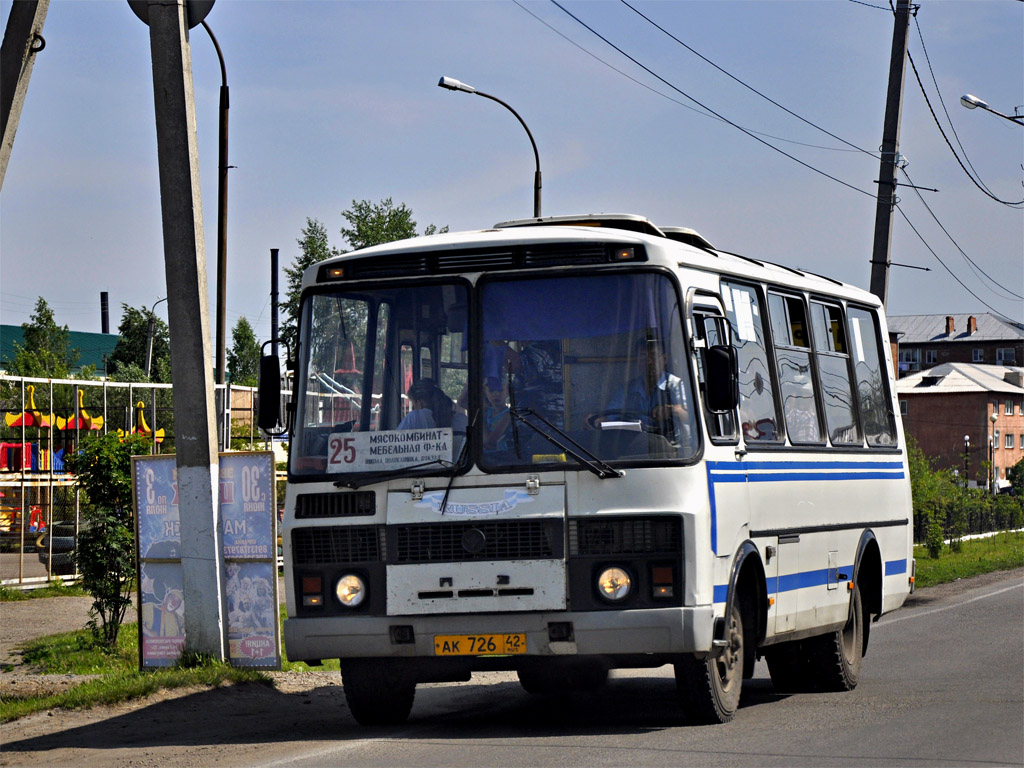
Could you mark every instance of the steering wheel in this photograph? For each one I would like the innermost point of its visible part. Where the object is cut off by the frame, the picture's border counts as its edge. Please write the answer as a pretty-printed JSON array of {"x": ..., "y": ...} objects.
[{"x": 645, "y": 419}]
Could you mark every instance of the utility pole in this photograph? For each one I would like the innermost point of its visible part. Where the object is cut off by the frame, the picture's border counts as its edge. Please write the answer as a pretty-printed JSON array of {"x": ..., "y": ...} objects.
[
  {"x": 23, "y": 39},
  {"x": 189, "y": 319},
  {"x": 889, "y": 163}
]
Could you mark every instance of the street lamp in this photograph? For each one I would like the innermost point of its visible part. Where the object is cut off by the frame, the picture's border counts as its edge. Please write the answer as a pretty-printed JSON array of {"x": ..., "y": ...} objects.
[
  {"x": 452, "y": 84},
  {"x": 967, "y": 455},
  {"x": 995, "y": 436},
  {"x": 973, "y": 102},
  {"x": 150, "y": 333}
]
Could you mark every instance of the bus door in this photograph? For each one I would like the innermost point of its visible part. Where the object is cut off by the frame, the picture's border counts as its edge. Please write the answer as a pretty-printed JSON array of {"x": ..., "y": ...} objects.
[{"x": 724, "y": 462}]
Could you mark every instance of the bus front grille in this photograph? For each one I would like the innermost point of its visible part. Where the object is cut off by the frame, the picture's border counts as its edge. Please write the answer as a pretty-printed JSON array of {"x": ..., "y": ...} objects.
[
  {"x": 360, "y": 504},
  {"x": 340, "y": 544},
  {"x": 625, "y": 535},
  {"x": 475, "y": 541}
]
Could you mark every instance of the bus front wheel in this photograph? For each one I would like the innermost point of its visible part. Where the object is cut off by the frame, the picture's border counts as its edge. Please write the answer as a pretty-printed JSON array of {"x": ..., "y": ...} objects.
[
  {"x": 709, "y": 688},
  {"x": 377, "y": 693}
]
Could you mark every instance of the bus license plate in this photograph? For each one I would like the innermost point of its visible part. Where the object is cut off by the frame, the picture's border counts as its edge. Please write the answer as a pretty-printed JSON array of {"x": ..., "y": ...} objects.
[{"x": 479, "y": 645}]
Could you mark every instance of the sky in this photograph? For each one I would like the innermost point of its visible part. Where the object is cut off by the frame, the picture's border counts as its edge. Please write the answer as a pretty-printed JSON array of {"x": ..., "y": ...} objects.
[{"x": 336, "y": 101}]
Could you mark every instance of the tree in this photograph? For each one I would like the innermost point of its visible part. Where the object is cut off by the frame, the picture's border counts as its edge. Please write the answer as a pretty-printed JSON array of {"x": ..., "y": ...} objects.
[
  {"x": 369, "y": 224},
  {"x": 244, "y": 355},
  {"x": 45, "y": 352},
  {"x": 132, "y": 346},
  {"x": 105, "y": 554},
  {"x": 314, "y": 247}
]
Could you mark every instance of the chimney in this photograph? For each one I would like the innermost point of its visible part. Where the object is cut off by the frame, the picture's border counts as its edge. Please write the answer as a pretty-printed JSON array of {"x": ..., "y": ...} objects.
[
  {"x": 950, "y": 326},
  {"x": 972, "y": 325},
  {"x": 104, "y": 313}
]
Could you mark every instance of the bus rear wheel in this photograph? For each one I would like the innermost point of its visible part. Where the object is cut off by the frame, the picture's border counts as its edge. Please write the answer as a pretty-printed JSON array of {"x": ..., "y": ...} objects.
[
  {"x": 377, "y": 693},
  {"x": 709, "y": 688},
  {"x": 836, "y": 658}
]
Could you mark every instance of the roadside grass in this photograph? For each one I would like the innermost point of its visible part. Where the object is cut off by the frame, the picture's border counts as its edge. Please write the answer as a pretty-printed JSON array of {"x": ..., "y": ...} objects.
[
  {"x": 53, "y": 589},
  {"x": 117, "y": 677},
  {"x": 1001, "y": 552}
]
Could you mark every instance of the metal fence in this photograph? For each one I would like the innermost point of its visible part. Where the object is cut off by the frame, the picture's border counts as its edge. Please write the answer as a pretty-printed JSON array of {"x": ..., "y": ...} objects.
[{"x": 44, "y": 421}]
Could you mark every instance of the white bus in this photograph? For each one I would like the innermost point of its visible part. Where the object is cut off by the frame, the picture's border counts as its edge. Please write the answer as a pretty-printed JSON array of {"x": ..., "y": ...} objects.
[{"x": 589, "y": 444}]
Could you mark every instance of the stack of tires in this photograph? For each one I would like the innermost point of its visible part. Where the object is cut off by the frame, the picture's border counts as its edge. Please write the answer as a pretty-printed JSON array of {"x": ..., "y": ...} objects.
[{"x": 56, "y": 549}]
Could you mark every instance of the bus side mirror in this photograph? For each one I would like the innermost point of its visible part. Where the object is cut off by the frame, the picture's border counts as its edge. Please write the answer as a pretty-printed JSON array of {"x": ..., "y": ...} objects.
[
  {"x": 268, "y": 407},
  {"x": 722, "y": 391}
]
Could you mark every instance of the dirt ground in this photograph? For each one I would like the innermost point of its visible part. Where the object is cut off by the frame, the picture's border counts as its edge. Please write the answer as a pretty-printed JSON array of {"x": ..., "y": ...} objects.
[{"x": 36, "y": 735}]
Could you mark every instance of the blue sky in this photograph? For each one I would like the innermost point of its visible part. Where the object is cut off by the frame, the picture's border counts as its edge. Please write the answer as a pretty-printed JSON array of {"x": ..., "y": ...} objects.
[{"x": 333, "y": 101}]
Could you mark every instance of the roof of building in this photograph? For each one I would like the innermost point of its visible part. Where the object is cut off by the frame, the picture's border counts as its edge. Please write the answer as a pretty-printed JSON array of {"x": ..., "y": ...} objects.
[
  {"x": 950, "y": 378},
  {"x": 93, "y": 347},
  {"x": 922, "y": 329}
]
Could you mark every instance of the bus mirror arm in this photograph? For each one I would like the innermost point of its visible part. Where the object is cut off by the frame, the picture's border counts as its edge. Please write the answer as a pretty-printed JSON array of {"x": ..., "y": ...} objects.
[
  {"x": 268, "y": 407},
  {"x": 722, "y": 390}
]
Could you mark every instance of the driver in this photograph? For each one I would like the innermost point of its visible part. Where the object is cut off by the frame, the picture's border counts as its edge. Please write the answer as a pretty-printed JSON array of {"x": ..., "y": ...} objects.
[{"x": 656, "y": 397}]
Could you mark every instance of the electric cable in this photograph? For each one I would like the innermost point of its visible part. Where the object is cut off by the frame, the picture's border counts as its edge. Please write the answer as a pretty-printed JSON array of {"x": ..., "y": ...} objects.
[{"x": 706, "y": 107}]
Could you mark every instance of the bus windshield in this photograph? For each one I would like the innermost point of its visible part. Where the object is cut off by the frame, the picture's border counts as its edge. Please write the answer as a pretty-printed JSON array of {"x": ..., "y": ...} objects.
[
  {"x": 567, "y": 372},
  {"x": 589, "y": 361},
  {"x": 381, "y": 371}
]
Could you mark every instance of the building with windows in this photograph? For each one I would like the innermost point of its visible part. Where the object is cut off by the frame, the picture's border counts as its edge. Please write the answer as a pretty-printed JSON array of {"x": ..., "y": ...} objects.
[
  {"x": 949, "y": 402},
  {"x": 929, "y": 340}
]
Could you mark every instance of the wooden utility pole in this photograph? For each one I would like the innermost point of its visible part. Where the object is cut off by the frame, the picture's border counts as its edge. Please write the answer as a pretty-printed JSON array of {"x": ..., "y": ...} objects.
[
  {"x": 23, "y": 39},
  {"x": 889, "y": 163}
]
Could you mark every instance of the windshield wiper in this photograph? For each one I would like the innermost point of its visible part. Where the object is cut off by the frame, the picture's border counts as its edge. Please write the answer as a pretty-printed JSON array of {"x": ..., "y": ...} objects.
[
  {"x": 589, "y": 460},
  {"x": 359, "y": 482}
]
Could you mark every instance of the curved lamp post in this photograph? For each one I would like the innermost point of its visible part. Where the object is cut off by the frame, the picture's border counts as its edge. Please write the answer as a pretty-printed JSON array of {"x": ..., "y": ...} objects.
[
  {"x": 452, "y": 84},
  {"x": 973, "y": 102}
]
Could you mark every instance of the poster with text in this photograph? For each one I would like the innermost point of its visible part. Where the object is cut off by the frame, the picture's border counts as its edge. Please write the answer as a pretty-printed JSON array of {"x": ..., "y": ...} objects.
[
  {"x": 160, "y": 593},
  {"x": 248, "y": 517}
]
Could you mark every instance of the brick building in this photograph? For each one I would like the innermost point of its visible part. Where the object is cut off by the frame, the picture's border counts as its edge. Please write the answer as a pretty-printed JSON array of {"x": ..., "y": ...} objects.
[
  {"x": 929, "y": 340},
  {"x": 946, "y": 402}
]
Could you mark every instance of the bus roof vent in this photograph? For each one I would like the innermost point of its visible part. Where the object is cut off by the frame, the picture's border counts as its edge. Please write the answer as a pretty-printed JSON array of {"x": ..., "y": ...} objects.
[
  {"x": 626, "y": 221},
  {"x": 688, "y": 236}
]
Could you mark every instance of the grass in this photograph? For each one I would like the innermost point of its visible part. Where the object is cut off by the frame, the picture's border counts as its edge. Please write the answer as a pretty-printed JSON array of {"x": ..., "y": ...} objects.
[
  {"x": 977, "y": 556},
  {"x": 53, "y": 589},
  {"x": 119, "y": 679}
]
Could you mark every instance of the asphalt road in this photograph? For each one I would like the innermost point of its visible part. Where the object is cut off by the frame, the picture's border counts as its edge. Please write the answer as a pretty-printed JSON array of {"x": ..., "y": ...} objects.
[{"x": 942, "y": 685}]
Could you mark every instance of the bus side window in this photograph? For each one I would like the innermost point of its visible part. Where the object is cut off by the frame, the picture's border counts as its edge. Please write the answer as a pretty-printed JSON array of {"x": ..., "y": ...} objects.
[
  {"x": 831, "y": 351},
  {"x": 793, "y": 357},
  {"x": 710, "y": 328},
  {"x": 870, "y": 375},
  {"x": 759, "y": 412}
]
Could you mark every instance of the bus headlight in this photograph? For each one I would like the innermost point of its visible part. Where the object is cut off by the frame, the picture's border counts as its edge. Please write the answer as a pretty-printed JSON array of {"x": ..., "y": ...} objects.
[
  {"x": 614, "y": 584},
  {"x": 350, "y": 590}
]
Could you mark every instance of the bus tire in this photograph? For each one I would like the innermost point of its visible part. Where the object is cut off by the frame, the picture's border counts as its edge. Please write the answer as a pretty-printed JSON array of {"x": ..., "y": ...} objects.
[
  {"x": 377, "y": 693},
  {"x": 709, "y": 688},
  {"x": 836, "y": 658}
]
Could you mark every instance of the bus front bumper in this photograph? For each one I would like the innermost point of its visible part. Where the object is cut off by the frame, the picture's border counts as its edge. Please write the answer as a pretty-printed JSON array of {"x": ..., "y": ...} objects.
[{"x": 548, "y": 634}]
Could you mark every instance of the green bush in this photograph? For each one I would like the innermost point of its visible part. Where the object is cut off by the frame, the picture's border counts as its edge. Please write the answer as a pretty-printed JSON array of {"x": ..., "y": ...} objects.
[{"x": 105, "y": 555}]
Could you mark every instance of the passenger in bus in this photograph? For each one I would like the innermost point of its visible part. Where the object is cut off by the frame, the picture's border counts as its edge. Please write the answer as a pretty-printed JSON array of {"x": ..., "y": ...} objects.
[
  {"x": 430, "y": 407},
  {"x": 656, "y": 397},
  {"x": 496, "y": 416}
]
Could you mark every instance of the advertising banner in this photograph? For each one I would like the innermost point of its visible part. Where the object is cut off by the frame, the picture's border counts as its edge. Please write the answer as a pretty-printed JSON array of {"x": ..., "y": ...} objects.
[{"x": 248, "y": 543}]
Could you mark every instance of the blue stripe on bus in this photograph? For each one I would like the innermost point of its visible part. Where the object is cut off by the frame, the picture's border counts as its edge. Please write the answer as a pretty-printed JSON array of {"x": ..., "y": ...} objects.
[
  {"x": 743, "y": 472},
  {"x": 791, "y": 581}
]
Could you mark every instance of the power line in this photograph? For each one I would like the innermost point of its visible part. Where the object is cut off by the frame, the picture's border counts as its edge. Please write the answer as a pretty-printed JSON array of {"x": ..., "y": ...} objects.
[
  {"x": 969, "y": 259},
  {"x": 746, "y": 85},
  {"x": 665, "y": 95},
  {"x": 933, "y": 253},
  {"x": 704, "y": 106}
]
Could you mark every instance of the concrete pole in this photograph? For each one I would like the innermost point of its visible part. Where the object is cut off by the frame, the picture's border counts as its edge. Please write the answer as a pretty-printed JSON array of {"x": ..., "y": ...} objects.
[
  {"x": 889, "y": 163},
  {"x": 22, "y": 41},
  {"x": 188, "y": 316}
]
